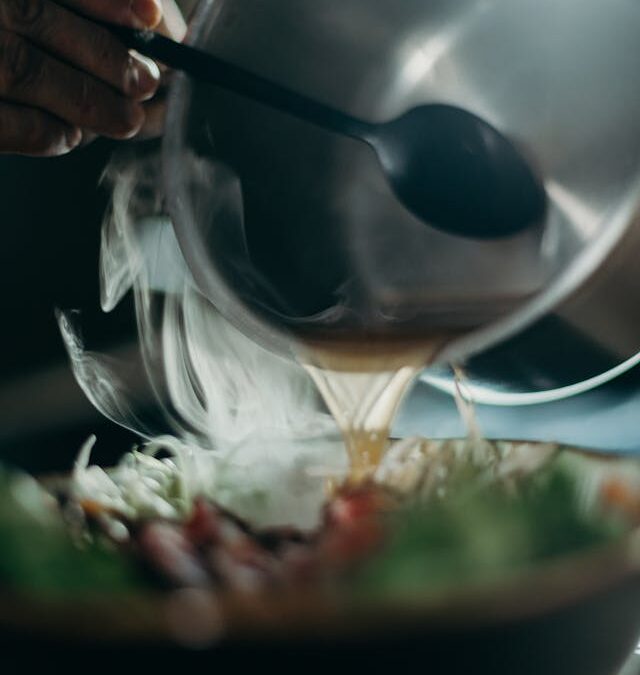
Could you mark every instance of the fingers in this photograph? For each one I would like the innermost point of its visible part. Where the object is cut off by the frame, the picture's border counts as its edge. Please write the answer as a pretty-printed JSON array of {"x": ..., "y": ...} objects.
[
  {"x": 82, "y": 43},
  {"x": 65, "y": 79},
  {"x": 30, "y": 76},
  {"x": 33, "y": 132},
  {"x": 155, "y": 113},
  {"x": 135, "y": 13},
  {"x": 173, "y": 24}
]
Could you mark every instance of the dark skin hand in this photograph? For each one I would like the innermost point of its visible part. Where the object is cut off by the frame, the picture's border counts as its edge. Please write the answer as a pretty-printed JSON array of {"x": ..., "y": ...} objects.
[{"x": 64, "y": 79}]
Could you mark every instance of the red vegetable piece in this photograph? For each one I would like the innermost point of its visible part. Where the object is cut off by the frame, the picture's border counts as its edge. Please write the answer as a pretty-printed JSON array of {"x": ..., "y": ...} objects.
[
  {"x": 203, "y": 527},
  {"x": 168, "y": 550},
  {"x": 355, "y": 504}
]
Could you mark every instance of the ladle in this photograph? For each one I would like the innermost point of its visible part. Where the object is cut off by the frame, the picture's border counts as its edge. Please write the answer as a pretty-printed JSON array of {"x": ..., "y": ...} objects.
[{"x": 447, "y": 166}]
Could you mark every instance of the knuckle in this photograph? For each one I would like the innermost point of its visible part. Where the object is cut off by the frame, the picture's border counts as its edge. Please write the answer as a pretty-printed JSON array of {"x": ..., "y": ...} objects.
[
  {"x": 21, "y": 65},
  {"x": 110, "y": 55},
  {"x": 85, "y": 99},
  {"x": 22, "y": 15},
  {"x": 103, "y": 45}
]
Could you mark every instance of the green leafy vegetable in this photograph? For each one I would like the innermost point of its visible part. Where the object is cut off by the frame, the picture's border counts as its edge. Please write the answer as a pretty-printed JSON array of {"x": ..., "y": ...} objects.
[
  {"x": 38, "y": 554},
  {"x": 482, "y": 533}
]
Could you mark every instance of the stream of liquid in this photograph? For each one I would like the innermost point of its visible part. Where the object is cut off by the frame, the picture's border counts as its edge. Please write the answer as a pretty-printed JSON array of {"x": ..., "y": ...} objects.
[{"x": 363, "y": 386}]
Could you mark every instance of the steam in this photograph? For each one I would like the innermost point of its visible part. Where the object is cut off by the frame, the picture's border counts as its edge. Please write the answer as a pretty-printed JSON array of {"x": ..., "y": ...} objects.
[
  {"x": 214, "y": 389},
  {"x": 220, "y": 415}
]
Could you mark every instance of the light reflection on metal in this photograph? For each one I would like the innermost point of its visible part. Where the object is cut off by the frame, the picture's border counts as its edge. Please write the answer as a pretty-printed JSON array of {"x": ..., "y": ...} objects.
[
  {"x": 585, "y": 220},
  {"x": 489, "y": 396}
]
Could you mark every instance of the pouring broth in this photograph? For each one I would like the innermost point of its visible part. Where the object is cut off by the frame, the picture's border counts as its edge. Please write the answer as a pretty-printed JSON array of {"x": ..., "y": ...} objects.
[{"x": 363, "y": 386}]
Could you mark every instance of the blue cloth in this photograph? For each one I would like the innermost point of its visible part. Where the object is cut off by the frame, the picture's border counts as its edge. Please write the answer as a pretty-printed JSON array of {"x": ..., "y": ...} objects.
[{"x": 606, "y": 419}]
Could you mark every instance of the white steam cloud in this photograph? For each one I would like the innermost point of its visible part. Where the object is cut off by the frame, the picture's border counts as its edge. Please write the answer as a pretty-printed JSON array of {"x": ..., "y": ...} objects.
[{"x": 216, "y": 390}]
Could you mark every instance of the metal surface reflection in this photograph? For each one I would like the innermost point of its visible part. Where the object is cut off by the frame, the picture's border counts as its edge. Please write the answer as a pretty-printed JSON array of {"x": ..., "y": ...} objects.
[{"x": 319, "y": 220}]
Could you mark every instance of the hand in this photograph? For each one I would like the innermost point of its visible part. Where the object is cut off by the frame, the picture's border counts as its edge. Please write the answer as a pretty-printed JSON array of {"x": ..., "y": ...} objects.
[
  {"x": 63, "y": 76},
  {"x": 173, "y": 26}
]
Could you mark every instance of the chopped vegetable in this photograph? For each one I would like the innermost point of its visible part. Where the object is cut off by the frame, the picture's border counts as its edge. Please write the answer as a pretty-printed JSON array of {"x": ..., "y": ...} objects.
[
  {"x": 472, "y": 527},
  {"x": 479, "y": 533},
  {"x": 433, "y": 517}
]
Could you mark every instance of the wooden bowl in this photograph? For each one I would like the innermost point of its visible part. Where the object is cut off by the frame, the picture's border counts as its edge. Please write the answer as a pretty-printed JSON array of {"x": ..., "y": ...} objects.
[{"x": 576, "y": 615}]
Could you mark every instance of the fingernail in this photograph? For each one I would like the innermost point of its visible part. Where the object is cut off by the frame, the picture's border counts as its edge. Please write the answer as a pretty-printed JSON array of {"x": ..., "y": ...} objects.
[
  {"x": 147, "y": 13},
  {"x": 131, "y": 121},
  {"x": 72, "y": 139},
  {"x": 143, "y": 77}
]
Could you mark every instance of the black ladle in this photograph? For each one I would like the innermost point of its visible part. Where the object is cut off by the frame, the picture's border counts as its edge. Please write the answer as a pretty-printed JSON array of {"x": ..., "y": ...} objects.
[{"x": 447, "y": 166}]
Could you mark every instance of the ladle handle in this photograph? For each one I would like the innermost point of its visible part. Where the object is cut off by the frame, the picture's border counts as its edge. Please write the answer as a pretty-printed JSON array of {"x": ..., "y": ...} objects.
[{"x": 216, "y": 71}]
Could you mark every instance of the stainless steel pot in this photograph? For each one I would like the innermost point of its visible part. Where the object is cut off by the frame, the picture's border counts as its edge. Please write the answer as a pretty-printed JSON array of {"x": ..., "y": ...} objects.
[
  {"x": 587, "y": 339},
  {"x": 271, "y": 213}
]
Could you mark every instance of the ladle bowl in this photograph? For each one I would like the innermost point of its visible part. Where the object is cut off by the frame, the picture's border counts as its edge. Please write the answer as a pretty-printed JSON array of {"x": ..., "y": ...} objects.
[{"x": 448, "y": 167}]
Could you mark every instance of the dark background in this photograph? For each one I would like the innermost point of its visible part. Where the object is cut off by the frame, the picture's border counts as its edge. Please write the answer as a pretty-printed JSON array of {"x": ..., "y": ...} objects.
[{"x": 51, "y": 215}]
